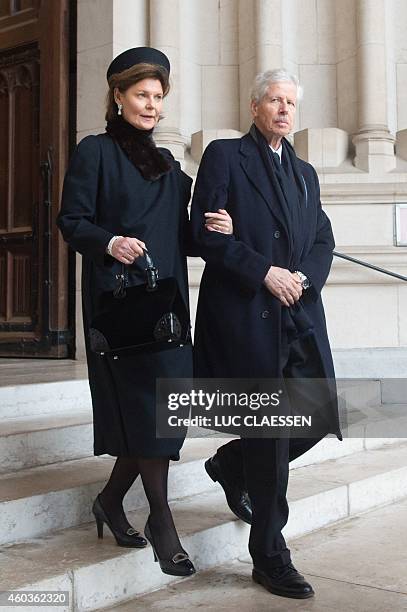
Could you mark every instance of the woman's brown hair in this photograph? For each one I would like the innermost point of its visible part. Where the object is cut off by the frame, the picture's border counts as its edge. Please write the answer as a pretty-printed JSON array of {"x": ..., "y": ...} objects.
[{"x": 131, "y": 76}]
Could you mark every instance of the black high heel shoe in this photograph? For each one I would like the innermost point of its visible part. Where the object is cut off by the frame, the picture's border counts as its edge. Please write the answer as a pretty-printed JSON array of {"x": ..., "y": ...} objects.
[
  {"x": 179, "y": 565},
  {"x": 129, "y": 539}
]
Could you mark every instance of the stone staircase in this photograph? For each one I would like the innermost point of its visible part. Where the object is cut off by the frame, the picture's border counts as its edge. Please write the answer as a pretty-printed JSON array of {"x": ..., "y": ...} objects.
[
  {"x": 48, "y": 480},
  {"x": 340, "y": 560}
]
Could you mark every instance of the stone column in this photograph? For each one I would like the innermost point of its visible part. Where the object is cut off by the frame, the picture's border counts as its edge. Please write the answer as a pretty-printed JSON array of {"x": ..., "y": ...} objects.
[
  {"x": 103, "y": 32},
  {"x": 268, "y": 34},
  {"x": 267, "y": 40},
  {"x": 165, "y": 35},
  {"x": 374, "y": 143},
  {"x": 260, "y": 46}
]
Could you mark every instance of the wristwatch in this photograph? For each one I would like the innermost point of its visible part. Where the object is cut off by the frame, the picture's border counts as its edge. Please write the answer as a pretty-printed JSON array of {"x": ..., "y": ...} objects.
[{"x": 305, "y": 283}]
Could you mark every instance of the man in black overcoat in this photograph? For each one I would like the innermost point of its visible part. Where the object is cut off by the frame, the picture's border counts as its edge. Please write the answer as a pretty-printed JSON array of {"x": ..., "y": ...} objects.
[{"x": 260, "y": 313}]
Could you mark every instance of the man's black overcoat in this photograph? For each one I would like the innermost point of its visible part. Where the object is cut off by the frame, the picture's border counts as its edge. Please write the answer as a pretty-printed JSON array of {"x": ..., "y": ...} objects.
[
  {"x": 105, "y": 195},
  {"x": 238, "y": 326}
]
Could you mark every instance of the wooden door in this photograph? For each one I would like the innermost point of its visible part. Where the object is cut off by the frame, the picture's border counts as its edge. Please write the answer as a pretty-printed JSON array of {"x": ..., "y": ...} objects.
[{"x": 34, "y": 112}]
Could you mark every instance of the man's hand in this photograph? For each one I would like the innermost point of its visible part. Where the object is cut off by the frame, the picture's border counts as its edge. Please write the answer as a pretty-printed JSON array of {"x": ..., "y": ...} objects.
[
  {"x": 284, "y": 285},
  {"x": 219, "y": 221},
  {"x": 127, "y": 250}
]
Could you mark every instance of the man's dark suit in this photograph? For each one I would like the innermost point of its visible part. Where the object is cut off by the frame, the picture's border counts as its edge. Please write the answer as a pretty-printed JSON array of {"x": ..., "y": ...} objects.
[{"x": 241, "y": 327}]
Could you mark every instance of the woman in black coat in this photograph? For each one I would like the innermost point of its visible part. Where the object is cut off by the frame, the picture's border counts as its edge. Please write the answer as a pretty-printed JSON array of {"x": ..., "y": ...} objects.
[{"x": 122, "y": 195}]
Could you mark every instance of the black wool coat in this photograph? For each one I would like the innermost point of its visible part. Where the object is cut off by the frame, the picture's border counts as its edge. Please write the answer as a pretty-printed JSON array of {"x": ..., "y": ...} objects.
[
  {"x": 104, "y": 195},
  {"x": 238, "y": 331}
]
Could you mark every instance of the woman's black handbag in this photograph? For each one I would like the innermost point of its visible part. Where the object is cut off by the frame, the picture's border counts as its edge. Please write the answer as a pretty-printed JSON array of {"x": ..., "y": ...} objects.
[{"x": 144, "y": 318}]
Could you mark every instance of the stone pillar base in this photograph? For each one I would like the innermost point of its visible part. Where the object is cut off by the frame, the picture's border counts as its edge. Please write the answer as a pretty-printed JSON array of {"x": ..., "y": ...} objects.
[
  {"x": 322, "y": 147},
  {"x": 374, "y": 151},
  {"x": 401, "y": 144},
  {"x": 172, "y": 140},
  {"x": 201, "y": 139}
]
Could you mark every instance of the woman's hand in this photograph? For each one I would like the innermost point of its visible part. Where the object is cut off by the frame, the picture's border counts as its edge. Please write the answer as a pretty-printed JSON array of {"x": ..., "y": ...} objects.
[
  {"x": 127, "y": 250},
  {"x": 219, "y": 221}
]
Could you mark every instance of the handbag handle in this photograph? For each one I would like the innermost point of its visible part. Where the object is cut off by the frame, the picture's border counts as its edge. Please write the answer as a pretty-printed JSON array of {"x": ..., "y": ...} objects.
[
  {"x": 151, "y": 271},
  {"x": 122, "y": 278}
]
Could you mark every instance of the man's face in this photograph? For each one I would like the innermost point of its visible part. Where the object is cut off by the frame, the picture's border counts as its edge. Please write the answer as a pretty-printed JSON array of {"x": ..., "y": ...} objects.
[{"x": 274, "y": 115}]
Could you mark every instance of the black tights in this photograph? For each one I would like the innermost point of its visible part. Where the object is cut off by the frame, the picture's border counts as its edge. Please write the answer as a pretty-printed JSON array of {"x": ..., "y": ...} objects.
[{"x": 154, "y": 474}]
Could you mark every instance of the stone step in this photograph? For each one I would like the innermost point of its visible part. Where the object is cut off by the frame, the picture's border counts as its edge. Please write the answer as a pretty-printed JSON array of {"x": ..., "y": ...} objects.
[
  {"x": 98, "y": 574},
  {"x": 340, "y": 561},
  {"x": 33, "y": 441},
  {"x": 62, "y": 385},
  {"x": 27, "y": 442},
  {"x": 374, "y": 427},
  {"x": 379, "y": 363},
  {"x": 44, "y": 398},
  {"x": 62, "y": 396},
  {"x": 37, "y": 500}
]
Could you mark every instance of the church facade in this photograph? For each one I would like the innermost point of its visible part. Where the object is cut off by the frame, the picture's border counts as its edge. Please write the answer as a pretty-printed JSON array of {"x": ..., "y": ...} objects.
[{"x": 351, "y": 59}]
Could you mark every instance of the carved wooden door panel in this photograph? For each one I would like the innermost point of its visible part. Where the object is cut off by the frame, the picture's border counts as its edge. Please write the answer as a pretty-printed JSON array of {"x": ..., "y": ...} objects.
[{"x": 34, "y": 53}]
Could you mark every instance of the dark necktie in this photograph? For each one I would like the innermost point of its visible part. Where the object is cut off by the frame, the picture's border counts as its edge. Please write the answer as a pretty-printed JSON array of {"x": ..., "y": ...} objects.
[
  {"x": 276, "y": 159},
  {"x": 280, "y": 172}
]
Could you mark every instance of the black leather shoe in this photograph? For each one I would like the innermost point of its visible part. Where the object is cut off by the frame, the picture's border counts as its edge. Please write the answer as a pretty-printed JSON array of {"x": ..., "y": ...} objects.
[
  {"x": 179, "y": 565},
  {"x": 237, "y": 499},
  {"x": 284, "y": 581},
  {"x": 128, "y": 539}
]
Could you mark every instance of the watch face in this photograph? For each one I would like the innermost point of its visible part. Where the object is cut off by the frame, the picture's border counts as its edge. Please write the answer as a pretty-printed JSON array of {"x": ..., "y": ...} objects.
[{"x": 305, "y": 283}]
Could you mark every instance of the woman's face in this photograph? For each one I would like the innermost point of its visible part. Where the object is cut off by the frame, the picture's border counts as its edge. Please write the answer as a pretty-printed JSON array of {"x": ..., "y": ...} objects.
[{"x": 142, "y": 103}]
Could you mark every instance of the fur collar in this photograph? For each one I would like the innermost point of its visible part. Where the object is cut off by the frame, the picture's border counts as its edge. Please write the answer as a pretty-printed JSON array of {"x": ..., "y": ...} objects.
[{"x": 140, "y": 148}]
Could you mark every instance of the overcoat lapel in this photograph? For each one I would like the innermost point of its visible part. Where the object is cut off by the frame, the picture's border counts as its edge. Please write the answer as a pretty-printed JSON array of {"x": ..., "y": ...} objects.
[{"x": 270, "y": 191}]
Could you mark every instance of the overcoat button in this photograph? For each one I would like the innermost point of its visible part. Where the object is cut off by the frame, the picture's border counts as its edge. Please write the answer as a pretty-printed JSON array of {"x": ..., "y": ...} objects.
[
  {"x": 265, "y": 314},
  {"x": 277, "y": 234}
]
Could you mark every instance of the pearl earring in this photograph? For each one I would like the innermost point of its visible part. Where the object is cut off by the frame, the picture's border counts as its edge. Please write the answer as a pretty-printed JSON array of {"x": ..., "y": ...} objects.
[{"x": 119, "y": 108}]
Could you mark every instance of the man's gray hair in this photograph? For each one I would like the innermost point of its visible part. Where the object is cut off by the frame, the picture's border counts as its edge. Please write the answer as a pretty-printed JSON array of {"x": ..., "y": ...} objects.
[{"x": 263, "y": 80}]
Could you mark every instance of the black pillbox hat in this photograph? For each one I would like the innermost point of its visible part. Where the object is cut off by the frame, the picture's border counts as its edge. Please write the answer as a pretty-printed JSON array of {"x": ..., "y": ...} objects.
[{"x": 138, "y": 55}]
